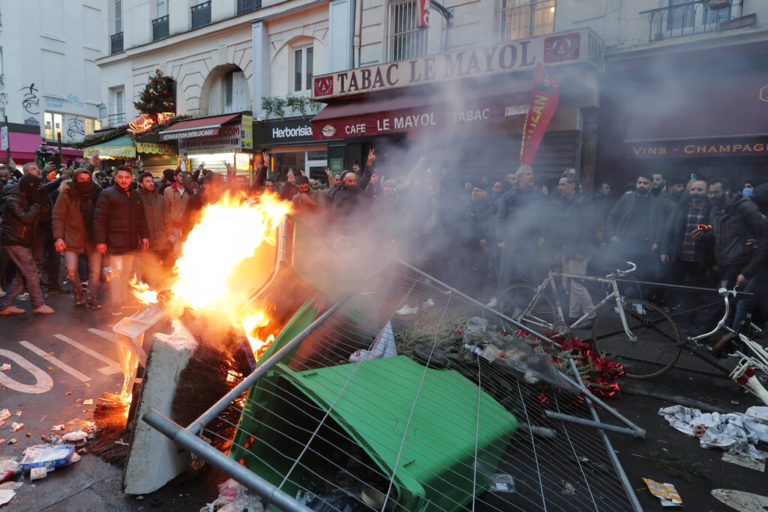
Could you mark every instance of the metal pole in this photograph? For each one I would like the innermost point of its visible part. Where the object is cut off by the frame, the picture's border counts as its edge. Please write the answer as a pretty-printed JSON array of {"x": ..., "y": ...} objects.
[
  {"x": 58, "y": 137},
  {"x": 8, "y": 147},
  {"x": 197, "y": 426},
  {"x": 590, "y": 423},
  {"x": 612, "y": 454},
  {"x": 215, "y": 458}
]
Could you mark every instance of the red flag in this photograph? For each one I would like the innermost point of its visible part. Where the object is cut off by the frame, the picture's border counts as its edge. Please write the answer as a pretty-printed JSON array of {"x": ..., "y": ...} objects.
[{"x": 544, "y": 100}]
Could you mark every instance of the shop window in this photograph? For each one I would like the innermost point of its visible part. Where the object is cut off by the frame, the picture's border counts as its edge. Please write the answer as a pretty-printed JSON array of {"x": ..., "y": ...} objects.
[
  {"x": 303, "y": 62},
  {"x": 118, "y": 14},
  {"x": 117, "y": 114},
  {"x": 526, "y": 18},
  {"x": 53, "y": 123},
  {"x": 92, "y": 125},
  {"x": 406, "y": 40}
]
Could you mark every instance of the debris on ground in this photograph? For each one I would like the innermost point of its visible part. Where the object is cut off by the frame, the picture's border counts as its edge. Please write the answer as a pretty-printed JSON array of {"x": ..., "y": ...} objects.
[
  {"x": 4, "y": 415},
  {"x": 665, "y": 492},
  {"x": 88, "y": 402},
  {"x": 15, "y": 427},
  {"x": 233, "y": 497},
  {"x": 740, "y": 500},
  {"x": 737, "y": 433},
  {"x": 502, "y": 482},
  {"x": 676, "y": 466},
  {"x": 49, "y": 457},
  {"x": 6, "y": 495},
  {"x": 5, "y": 367},
  {"x": 9, "y": 467}
]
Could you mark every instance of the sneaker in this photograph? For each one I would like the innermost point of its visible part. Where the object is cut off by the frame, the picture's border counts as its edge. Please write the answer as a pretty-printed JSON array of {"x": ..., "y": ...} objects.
[
  {"x": 45, "y": 309},
  {"x": 23, "y": 296},
  {"x": 93, "y": 303},
  {"x": 12, "y": 310},
  {"x": 79, "y": 300}
]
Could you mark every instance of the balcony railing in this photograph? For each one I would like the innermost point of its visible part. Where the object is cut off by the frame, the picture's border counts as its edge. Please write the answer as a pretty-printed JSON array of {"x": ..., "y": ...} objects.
[
  {"x": 160, "y": 28},
  {"x": 116, "y": 120},
  {"x": 244, "y": 6},
  {"x": 115, "y": 43},
  {"x": 201, "y": 14},
  {"x": 689, "y": 18}
]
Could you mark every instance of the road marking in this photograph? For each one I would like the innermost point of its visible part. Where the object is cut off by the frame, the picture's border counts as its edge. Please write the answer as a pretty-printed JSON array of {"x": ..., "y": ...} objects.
[
  {"x": 54, "y": 361},
  {"x": 43, "y": 381},
  {"x": 111, "y": 368},
  {"x": 109, "y": 336}
]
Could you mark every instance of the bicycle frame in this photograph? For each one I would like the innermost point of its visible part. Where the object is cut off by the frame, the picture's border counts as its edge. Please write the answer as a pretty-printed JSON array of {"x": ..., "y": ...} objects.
[{"x": 550, "y": 281}]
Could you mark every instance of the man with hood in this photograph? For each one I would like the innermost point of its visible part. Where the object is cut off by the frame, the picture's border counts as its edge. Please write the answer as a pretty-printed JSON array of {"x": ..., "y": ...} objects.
[
  {"x": 73, "y": 233},
  {"x": 177, "y": 197},
  {"x": 754, "y": 275},
  {"x": 17, "y": 232}
]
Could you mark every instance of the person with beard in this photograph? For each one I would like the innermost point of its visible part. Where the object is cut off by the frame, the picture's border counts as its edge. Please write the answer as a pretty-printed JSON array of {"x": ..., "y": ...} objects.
[
  {"x": 685, "y": 251},
  {"x": 119, "y": 230},
  {"x": 633, "y": 228},
  {"x": 475, "y": 227},
  {"x": 177, "y": 197},
  {"x": 735, "y": 221},
  {"x": 754, "y": 274},
  {"x": 73, "y": 234},
  {"x": 161, "y": 236},
  {"x": 18, "y": 233}
]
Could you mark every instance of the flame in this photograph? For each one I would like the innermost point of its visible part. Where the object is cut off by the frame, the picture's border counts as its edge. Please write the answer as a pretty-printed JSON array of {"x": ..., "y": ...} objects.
[
  {"x": 142, "y": 292},
  {"x": 254, "y": 326}
]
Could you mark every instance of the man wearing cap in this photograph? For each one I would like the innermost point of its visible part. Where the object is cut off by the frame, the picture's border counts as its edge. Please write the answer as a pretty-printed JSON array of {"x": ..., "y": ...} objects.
[
  {"x": 18, "y": 233},
  {"x": 73, "y": 233}
]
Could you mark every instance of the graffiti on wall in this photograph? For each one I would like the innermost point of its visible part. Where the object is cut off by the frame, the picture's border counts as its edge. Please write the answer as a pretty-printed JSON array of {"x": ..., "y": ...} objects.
[{"x": 30, "y": 102}]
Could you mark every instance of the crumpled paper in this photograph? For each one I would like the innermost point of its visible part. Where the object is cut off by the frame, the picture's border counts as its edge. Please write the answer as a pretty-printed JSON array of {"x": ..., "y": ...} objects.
[{"x": 737, "y": 433}]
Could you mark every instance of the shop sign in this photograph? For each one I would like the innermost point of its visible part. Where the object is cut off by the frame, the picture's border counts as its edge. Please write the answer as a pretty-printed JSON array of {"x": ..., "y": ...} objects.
[
  {"x": 467, "y": 118},
  {"x": 278, "y": 132},
  {"x": 336, "y": 165},
  {"x": 732, "y": 146},
  {"x": 246, "y": 129},
  {"x": 228, "y": 141},
  {"x": 205, "y": 132},
  {"x": 554, "y": 49}
]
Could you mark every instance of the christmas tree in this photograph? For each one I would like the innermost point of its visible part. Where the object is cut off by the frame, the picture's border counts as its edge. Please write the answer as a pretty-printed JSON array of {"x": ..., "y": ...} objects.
[{"x": 158, "y": 96}]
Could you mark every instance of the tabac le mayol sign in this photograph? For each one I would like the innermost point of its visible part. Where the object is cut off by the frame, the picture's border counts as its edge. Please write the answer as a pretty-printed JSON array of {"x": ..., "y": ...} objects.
[{"x": 563, "y": 48}]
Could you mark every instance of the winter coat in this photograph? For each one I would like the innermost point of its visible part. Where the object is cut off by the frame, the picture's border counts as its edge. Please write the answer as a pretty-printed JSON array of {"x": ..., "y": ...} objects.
[
  {"x": 68, "y": 221},
  {"x": 177, "y": 204},
  {"x": 674, "y": 231},
  {"x": 732, "y": 226},
  {"x": 575, "y": 227},
  {"x": 158, "y": 219},
  {"x": 623, "y": 219},
  {"x": 119, "y": 220},
  {"x": 20, "y": 218}
]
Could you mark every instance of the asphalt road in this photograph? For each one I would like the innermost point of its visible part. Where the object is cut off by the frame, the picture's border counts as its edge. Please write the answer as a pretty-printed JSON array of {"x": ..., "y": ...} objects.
[{"x": 62, "y": 360}]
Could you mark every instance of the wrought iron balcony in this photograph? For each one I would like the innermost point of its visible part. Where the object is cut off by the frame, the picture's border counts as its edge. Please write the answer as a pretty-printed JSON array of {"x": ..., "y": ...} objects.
[
  {"x": 244, "y": 6},
  {"x": 116, "y": 120},
  {"x": 160, "y": 28},
  {"x": 115, "y": 43},
  {"x": 201, "y": 14},
  {"x": 695, "y": 17}
]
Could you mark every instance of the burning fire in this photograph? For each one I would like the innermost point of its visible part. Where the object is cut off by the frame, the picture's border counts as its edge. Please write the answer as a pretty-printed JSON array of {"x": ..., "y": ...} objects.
[
  {"x": 254, "y": 325},
  {"x": 142, "y": 292}
]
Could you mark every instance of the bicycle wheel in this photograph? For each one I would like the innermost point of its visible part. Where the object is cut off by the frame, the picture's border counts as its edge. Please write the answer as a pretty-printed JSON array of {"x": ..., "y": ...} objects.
[
  {"x": 658, "y": 343},
  {"x": 542, "y": 315}
]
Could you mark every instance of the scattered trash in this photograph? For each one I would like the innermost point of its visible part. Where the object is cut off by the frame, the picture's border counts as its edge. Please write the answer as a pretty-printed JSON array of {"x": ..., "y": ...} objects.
[
  {"x": 428, "y": 304},
  {"x": 502, "y": 482},
  {"x": 15, "y": 427},
  {"x": 233, "y": 497},
  {"x": 74, "y": 437},
  {"x": 4, "y": 415},
  {"x": 12, "y": 441},
  {"x": 38, "y": 473},
  {"x": 88, "y": 402},
  {"x": 18, "y": 413},
  {"x": 6, "y": 495},
  {"x": 741, "y": 500},
  {"x": 57, "y": 428},
  {"x": 665, "y": 492},
  {"x": 567, "y": 488},
  {"x": 383, "y": 346},
  {"x": 735, "y": 432},
  {"x": 406, "y": 310},
  {"x": 8, "y": 468},
  {"x": 11, "y": 485},
  {"x": 44, "y": 455},
  {"x": 68, "y": 393},
  {"x": 5, "y": 367}
]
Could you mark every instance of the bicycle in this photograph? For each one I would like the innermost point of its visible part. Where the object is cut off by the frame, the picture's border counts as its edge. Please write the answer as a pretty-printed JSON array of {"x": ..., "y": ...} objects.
[
  {"x": 640, "y": 333},
  {"x": 751, "y": 371}
]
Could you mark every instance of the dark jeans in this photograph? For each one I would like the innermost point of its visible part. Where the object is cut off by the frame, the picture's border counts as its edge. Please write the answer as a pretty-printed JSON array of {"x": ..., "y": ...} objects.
[
  {"x": 44, "y": 246},
  {"x": 748, "y": 303},
  {"x": 26, "y": 273}
]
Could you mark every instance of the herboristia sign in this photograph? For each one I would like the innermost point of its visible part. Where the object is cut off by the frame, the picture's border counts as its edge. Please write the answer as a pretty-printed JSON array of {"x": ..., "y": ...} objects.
[{"x": 563, "y": 48}]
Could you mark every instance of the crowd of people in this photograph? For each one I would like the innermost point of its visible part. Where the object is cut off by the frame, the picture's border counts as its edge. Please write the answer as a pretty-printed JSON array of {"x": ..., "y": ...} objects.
[{"x": 477, "y": 235}]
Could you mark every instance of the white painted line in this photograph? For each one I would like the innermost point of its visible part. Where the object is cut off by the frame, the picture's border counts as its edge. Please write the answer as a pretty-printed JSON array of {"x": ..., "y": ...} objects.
[
  {"x": 109, "y": 336},
  {"x": 43, "y": 381},
  {"x": 54, "y": 361},
  {"x": 111, "y": 368}
]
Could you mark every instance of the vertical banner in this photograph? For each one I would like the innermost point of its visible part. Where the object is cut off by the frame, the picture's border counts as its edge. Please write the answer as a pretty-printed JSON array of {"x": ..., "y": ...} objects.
[
  {"x": 422, "y": 21},
  {"x": 544, "y": 100}
]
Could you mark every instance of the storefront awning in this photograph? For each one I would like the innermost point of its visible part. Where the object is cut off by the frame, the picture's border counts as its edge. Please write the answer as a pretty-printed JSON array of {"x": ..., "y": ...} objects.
[
  {"x": 203, "y": 127},
  {"x": 121, "y": 147},
  {"x": 383, "y": 115},
  {"x": 23, "y": 146}
]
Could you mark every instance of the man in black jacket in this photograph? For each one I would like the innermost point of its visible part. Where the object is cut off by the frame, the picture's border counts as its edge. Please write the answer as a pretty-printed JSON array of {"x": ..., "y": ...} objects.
[
  {"x": 19, "y": 231},
  {"x": 119, "y": 230}
]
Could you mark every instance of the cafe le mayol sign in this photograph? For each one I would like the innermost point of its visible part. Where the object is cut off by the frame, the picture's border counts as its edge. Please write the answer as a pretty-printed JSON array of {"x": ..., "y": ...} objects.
[{"x": 521, "y": 55}]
